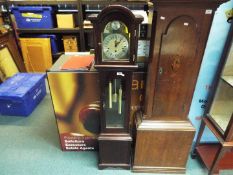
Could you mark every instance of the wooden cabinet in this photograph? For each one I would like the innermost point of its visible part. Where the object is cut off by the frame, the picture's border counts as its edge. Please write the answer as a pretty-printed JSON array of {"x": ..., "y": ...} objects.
[
  {"x": 219, "y": 118},
  {"x": 8, "y": 40},
  {"x": 180, "y": 32}
]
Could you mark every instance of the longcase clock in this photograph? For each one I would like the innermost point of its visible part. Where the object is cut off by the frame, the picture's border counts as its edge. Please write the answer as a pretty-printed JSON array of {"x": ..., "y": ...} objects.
[
  {"x": 164, "y": 133},
  {"x": 116, "y": 37}
]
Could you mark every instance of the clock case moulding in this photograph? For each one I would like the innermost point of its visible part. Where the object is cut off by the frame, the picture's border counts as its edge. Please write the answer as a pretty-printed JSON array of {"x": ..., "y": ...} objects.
[{"x": 115, "y": 143}]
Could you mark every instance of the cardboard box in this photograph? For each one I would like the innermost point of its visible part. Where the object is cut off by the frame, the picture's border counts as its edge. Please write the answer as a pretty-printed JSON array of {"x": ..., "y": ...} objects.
[
  {"x": 65, "y": 21},
  {"x": 76, "y": 100},
  {"x": 70, "y": 43}
]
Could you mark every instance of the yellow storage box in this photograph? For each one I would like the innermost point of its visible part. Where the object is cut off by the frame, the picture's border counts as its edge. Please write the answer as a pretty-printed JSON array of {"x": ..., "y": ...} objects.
[
  {"x": 65, "y": 21},
  {"x": 36, "y": 54}
]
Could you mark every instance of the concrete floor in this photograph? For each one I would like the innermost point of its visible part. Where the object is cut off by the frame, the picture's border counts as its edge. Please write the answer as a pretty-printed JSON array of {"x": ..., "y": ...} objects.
[{"x": 31, "y": 146}]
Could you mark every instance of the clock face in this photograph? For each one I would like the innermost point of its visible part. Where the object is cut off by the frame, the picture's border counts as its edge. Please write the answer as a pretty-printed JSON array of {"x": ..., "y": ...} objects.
[{"x": 115, "y": 47}]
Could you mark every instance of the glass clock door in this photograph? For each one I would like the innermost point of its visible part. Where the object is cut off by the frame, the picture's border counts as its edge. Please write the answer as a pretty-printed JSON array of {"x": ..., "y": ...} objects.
[
  {"x": 115, "y": 42},
  {"x": 114, "y": 103},
  {"x": 222, "y": 107}
]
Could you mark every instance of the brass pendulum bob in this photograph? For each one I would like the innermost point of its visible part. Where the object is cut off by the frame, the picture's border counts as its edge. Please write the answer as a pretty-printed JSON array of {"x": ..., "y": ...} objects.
[
  {"x": 114, "y": 96},
  {"x": 110, "y": 94},
  {"x": 120, "y": 101}
]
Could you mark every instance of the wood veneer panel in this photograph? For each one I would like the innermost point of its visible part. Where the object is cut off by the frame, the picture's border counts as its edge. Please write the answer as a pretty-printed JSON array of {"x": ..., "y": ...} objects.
[
  {"x": 207, "y": 152},
  {"x": 163, "y": 145}
]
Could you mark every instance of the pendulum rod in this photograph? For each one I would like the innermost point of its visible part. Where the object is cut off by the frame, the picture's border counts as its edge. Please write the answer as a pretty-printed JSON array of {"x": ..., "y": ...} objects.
[
  {"x": 114, "y": 96},
  {"x": 120, "y": 100},
  {"x": 110, "y": 94}
]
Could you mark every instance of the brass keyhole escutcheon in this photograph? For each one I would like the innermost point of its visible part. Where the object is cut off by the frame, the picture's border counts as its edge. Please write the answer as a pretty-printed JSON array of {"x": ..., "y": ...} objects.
[
  {"x": 176, "y": 64},
  {"x": 160, "y": 70}
]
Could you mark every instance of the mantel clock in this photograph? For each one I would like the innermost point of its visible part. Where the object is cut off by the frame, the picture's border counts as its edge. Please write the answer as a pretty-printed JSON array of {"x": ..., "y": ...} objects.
[{"x": 116, "y": 38}]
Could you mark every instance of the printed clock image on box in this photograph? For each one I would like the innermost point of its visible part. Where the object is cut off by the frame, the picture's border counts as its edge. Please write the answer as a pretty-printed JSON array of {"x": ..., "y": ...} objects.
[
  {"x": 75, "y": 97},
  {"x": 76, "y": 106}
]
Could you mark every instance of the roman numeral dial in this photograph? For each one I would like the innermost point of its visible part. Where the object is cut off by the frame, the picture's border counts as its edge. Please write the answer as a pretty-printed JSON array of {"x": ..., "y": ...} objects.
[{"x": 115, "y": 47}]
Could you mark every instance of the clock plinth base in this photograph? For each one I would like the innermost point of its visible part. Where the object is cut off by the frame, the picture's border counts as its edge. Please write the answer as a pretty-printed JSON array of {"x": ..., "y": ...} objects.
[
  {"x": 151, "y": 169},
  {"x": 123, "y": 166},
  {"x": 162, "y": 146},
  {"x": 115, "y": 150}
]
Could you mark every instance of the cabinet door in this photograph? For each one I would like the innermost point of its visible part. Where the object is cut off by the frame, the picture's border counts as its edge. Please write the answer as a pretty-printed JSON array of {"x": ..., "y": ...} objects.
[
  {"x": 9, "y": 41},
  {"x": 179, "y": 43},
  {"x": 8, "y": 67},
  {"x": 36, "y": 53}
]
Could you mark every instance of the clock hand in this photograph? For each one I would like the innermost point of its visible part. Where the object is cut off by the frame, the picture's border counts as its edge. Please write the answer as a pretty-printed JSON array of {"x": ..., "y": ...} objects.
[{"x": 116, "y": 44}]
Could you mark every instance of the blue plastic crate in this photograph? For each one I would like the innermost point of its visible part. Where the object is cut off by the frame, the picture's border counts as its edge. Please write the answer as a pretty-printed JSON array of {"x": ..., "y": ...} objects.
[
  {"x": 20, "y": 94},
  {"x": 33, "y": 16}
]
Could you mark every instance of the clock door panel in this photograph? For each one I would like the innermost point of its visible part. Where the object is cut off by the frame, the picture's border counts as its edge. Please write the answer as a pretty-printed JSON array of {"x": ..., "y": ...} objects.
[
  {"x": 178, "y": 43},
  {"x": 114, "y": 104},
  {"x": 115, "y": 101},
  {"x": 177, "y": 56}
]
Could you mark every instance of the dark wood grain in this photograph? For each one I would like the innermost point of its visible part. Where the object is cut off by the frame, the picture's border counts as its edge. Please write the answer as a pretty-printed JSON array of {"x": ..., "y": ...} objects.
[
  {"x": 123, "y": 14},
  {"x": 115, "y": 142},
  {"x": 214, "y": 156},
  {"x": 48, "y": 31},
  {"x": 179, "y": 34},
  {"x": 115, "y": 150},
  {"x": 214, "y": 128},
  {"x": 162, "y": 146},
  {"x": 207, "y": 152},
  {"x": 193, "y": 3},
  {"x": 179, "y": 44},
  {"x": 229, "y": 131}
]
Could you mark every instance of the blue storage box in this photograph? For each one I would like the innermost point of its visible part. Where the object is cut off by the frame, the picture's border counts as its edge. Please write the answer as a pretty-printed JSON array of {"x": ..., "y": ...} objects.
[
  {"x": 20, "y": 94},
  {"x": 33, "y": 16}
]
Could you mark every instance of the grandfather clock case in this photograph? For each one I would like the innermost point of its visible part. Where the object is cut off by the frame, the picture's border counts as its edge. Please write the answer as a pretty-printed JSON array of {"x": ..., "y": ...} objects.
[
  {"x": 116, "y": 37},
  {"x": 179, "y": 34}
]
